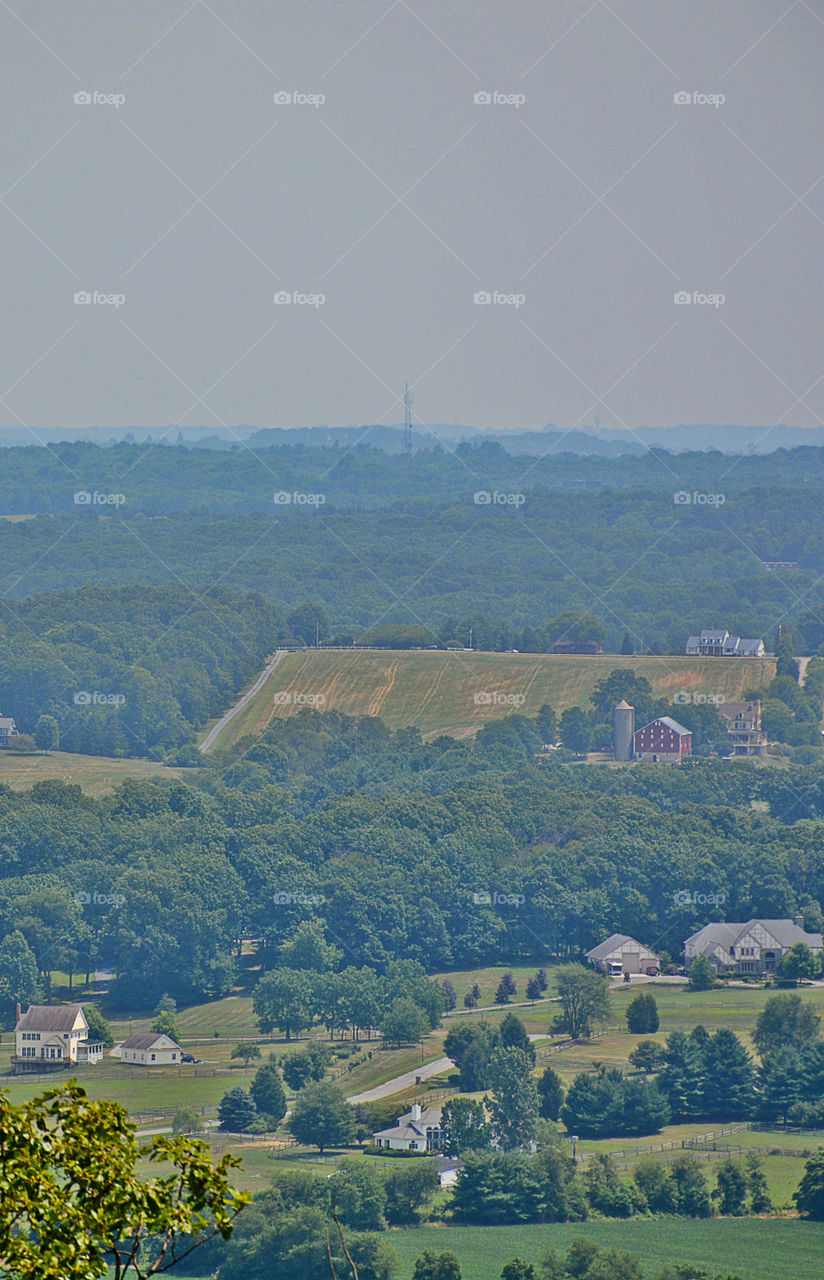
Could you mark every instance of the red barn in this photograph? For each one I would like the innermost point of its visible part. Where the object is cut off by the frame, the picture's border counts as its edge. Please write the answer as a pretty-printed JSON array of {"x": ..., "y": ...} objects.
[{"x": 664, "y": 740}]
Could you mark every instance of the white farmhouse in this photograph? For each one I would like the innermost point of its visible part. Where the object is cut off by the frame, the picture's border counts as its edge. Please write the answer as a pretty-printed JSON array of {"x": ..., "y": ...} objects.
[
  {"x": 150, "y": 1049},
  {"x": 51, "y": 1037},
  {"x": 418, "y": 1130}
]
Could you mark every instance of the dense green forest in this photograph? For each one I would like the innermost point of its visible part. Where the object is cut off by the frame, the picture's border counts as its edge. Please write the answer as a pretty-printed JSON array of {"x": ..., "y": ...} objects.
[
  {"x": 399, "y": 540},
  {"x": 131, "y": 670},
  {"x": 164, "y": 479},
  {"x": 448, "y": 853}
]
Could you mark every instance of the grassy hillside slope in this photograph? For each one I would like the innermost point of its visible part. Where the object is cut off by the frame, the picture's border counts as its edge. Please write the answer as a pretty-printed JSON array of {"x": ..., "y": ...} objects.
[
  {"x": 97, "y": 775},
  {"x": 436, "y": 690}
]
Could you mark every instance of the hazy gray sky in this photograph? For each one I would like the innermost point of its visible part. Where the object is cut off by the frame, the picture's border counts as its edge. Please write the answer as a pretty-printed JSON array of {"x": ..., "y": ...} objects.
[{"x": 583, "y": 197}]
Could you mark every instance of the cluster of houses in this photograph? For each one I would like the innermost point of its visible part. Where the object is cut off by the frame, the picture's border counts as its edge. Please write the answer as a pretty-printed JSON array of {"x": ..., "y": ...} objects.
[
  {"x": 716, "y": 642},
  {"x": 666, "y": 741},
  {"x": 51, "y": 1037},
  {"x": 734, "y": 949}
]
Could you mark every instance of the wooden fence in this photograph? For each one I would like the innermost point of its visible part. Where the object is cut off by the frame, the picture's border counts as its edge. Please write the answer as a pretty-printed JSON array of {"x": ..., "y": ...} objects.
[{"x": 566, "y": 1043}]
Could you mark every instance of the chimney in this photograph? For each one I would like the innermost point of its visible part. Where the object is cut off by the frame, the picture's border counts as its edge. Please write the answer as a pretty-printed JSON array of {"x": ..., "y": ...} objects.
[
  {"x": 416, "y": 1111},
  {"x": 19, "y": 1013},
  {"x": 799, "y": 921}
]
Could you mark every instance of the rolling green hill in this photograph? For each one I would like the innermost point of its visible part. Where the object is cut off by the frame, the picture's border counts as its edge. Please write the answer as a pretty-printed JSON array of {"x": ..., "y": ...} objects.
[{"x": 457, "y": 692}]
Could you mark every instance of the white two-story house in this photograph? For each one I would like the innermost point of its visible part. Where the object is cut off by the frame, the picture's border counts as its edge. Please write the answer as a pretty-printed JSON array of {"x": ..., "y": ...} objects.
[
  {"x": 417, "y": 1130},
  {"x": 52, "y": 1037}
]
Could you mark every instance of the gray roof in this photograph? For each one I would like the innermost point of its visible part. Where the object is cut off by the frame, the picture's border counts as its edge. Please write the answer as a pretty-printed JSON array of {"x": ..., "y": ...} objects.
[
  {"x": 147, "y": 1040},
  {"x": 671, "y": 724},
  {"x": 6, "y": 722},
  {"x": 50, "y": 1017},
  {"x": 711, "y": 936},
  {"x": 403, "y": 1132},
  {"x": 428, "y": 1116},
  {"x": 408, "y": 1128},
  {"x": 714, "y": 634},
  {"x": 786, "y": 932},
  {"x": 726, "y": 934},
  {"x": 731, "y": 710},
  {"x": 613, "y": 943}
]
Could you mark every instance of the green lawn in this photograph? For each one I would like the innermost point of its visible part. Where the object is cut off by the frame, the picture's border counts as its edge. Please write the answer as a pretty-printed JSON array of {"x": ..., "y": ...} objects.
[
  {"x": 754, "y": 1248},
  {"x": 679, "y": 1009},
  {"x": 488, "y": 979},
  {"x": 135, "y": 1092}
]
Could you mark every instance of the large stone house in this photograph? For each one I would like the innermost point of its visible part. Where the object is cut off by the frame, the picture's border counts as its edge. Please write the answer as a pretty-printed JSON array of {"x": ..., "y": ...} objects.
[
  {"x": 417, "y": 1130},
  {"x": 751, "y": 948},
  {"x": 52, "y": 1037}
]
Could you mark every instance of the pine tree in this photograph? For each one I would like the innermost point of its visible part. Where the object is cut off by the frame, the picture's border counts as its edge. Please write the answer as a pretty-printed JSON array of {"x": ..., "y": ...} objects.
[
  {"x": 642, "y": 1014},
  {"x": 506, "y": 988},
  {"x": 780, "y": 1082},
  {"x": 760, "y": 1201},
  {"x": 728, "y": 1078},
  {"x": 550, "y": 1094},
  {"x": 681, "y": 1079}
]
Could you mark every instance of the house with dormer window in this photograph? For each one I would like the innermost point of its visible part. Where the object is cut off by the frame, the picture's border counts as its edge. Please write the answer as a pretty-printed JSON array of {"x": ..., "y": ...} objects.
[{"x": 417, "y": 1130}]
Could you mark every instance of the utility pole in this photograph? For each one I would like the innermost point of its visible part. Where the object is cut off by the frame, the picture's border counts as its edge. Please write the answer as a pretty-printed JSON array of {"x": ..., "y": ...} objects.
[{"x": 407, "y": 420}]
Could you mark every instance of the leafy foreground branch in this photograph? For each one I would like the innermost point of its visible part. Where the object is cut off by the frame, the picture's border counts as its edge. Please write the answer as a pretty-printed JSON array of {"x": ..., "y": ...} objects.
[{"x": 72, "y": 1205}]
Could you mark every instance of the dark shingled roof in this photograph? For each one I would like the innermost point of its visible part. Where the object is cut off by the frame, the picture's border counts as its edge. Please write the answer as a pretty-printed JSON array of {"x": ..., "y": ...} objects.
[
  {"x": 49, "y": 1017},
  {"x": 145, "y": 1040}
]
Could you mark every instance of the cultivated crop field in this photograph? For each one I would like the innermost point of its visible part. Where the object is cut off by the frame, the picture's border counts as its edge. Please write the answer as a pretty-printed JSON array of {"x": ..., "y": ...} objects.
[
  {"x": 436, "y": 690},
  {"x": 759, "y": 1249}
]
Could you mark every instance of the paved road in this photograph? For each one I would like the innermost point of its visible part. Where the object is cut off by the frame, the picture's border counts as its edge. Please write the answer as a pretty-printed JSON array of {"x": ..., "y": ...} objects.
[
  {"x": 408, "y": 1078},
  {"x": 404, "y": 1081},
  {"x": 209, "y": 740}
]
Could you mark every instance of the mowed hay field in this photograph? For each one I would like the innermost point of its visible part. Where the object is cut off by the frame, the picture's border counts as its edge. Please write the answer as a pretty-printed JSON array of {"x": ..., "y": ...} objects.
[
  {"x": 97, "y": 775},
  {"x": 436, "y": 690}
]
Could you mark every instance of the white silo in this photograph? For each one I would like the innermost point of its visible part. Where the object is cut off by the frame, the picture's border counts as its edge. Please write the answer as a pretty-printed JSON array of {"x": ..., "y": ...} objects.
[{"x": 623, "y": 730}]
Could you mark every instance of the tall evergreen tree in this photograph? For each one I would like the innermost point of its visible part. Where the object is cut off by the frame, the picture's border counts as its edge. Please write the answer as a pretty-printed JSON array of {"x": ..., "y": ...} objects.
[{"x": 729, "y": 1078}]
